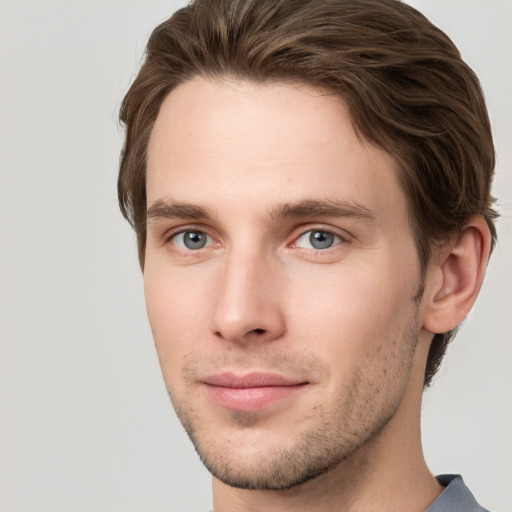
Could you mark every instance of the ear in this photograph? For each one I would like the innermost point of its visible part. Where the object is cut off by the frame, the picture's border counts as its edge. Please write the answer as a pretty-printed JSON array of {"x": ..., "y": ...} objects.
[{"x": 455, "y": 277}]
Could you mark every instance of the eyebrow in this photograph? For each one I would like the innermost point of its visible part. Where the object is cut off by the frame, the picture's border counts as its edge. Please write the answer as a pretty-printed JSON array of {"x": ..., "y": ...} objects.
[
  {"x": 305, "y": 208},
  {"x": 177, "y": 210},
  {"x": 322, "y": 208}
]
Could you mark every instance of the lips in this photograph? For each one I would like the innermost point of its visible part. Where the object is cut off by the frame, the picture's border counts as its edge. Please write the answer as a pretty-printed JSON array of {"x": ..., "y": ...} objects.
[{"x": 250, "y": 392}]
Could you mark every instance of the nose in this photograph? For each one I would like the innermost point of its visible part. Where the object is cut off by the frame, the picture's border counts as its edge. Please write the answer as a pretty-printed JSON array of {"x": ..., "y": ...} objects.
[{"x": 248, "y": 306}]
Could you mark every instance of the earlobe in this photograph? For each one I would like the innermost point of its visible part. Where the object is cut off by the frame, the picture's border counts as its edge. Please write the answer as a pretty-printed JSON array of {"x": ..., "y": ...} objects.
[{"x": 456, "y": 276}]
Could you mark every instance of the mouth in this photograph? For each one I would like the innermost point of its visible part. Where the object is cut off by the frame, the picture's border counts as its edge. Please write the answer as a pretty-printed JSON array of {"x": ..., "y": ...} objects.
[{"x": 250, "y": 392}]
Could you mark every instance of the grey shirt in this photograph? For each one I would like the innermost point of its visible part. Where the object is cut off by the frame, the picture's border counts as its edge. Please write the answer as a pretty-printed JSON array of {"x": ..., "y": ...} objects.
[{"x": 456, "y": 497}]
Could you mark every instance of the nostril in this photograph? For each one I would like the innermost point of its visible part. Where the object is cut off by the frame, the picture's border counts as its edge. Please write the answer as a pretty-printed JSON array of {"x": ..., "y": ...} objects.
[{"x": 259, "y": 331}]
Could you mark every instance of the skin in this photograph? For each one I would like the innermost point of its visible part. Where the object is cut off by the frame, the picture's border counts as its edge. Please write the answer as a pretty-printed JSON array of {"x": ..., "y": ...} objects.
[{"x": 255, "y": 169}]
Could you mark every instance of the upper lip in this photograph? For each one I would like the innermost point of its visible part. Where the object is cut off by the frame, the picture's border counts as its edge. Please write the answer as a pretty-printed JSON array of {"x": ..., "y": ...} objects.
[{"x": 250, "y": 380}]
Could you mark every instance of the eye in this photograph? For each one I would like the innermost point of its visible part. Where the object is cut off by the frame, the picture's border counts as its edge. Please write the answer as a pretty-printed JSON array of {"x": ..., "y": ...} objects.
[
  {"x": 317, "y": 239},
  {"x": 191, "y": 240}
]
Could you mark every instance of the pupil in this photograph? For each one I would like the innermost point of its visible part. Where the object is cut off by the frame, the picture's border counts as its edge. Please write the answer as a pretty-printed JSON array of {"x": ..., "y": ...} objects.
[
  {"x": 321, "y": 239},
  {"x": 194, "y": 240}
]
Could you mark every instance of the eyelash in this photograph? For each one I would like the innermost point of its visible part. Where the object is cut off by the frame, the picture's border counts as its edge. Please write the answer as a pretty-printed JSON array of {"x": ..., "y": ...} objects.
[
  {"x": 338, "y": 238},
  {"x": 196, "y": 232},
  {"x": 172, "y": 235}
]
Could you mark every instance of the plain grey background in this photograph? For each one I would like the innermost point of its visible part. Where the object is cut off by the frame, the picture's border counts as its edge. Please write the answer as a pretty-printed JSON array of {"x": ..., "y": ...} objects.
[{"x": 85, "y": 423}]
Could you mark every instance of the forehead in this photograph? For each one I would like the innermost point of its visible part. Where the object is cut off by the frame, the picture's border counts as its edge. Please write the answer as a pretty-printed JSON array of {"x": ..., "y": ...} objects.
[{"x": 256, "y": 143}]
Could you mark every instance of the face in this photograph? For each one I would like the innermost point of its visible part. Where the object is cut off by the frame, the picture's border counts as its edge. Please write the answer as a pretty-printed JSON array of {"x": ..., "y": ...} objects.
[{"x": 280, "y": 277}]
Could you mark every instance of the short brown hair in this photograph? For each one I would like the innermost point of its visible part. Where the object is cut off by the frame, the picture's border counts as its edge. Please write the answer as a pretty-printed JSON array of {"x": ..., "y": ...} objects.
[{"x": 405, "y": 84}]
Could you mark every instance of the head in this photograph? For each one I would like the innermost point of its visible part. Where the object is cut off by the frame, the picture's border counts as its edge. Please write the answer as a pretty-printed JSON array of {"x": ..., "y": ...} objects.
[
  {"x": 405, "y": 84},
  {"x": 404, "y": 91}
]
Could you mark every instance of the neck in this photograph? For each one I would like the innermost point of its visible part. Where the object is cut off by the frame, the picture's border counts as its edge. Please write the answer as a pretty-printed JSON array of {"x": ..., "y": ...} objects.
[
  {"x": 367, "y": 481},
  {"x": 388, "y": 473}
]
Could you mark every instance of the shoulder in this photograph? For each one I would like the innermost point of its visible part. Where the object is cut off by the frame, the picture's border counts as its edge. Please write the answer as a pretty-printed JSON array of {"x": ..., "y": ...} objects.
[{"x": 456, "y": 496}]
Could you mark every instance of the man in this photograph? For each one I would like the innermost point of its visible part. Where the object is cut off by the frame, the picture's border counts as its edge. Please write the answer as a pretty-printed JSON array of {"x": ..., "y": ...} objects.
[{"x": 310, "y": 187}]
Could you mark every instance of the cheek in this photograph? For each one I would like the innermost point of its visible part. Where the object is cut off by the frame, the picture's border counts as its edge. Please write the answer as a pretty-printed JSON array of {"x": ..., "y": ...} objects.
[
  {"x": 176, "y": 318},
  {"x": 172, "y": 296},
  {"x": 353, "y": 311}
]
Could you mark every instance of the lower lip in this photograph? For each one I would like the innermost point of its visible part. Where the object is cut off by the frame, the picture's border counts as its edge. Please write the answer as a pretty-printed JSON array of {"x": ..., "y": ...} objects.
[{"x": 250, "y": 399}]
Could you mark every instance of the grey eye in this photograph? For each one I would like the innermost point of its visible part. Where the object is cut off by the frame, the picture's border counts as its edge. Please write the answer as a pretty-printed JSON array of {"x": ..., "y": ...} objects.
[
  {"x": 321, "y": 239},
  {"x": 317, "y": 239},
  {"x": 191, "y": 240}
]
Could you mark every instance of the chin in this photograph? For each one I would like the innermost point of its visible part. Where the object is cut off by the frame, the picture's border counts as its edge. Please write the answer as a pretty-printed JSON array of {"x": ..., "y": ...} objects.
[
  {"x": 276, "y": 470},
  {"x": 250, "y": 459}
]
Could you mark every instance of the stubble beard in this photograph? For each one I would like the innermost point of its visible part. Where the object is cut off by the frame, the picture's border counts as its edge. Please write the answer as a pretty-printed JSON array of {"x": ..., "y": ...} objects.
[{"x": 340, "y": 431}]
